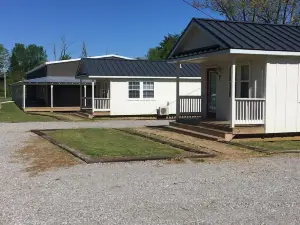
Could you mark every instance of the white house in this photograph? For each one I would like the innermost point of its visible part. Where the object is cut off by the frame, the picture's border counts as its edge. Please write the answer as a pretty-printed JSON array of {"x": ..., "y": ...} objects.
[
  {"x": 136, "y": 87},
  {"x": 250, "y": 72}
]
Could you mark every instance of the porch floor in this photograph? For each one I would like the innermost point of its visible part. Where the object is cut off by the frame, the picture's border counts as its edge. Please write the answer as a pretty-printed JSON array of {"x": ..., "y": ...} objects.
[
  {"x": 225, "y": 126},
  {"x": 49, "y": 109}
]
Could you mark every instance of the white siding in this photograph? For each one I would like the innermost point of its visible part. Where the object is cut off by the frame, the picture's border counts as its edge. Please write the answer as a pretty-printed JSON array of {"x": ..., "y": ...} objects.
[
  {"x": 164, "y": 94},
  {"x": 282, "y": 100}
]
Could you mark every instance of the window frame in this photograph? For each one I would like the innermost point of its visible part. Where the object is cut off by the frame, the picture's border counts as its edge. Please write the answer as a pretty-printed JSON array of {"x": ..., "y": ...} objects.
[
  {"x": 130, "y": 88},
  {"x": 239, "y": 81},
  {"x": 148, "y": 89}
]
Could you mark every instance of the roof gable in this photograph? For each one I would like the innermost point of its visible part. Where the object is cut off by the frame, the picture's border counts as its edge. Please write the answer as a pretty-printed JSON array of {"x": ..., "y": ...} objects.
[{"x": 244, "y": 35}]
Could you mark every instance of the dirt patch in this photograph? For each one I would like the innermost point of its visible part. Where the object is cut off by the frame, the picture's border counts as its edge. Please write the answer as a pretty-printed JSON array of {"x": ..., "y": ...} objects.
[
  {"x": 222, "y": 150},
  {"x": 40, "y": 156}
]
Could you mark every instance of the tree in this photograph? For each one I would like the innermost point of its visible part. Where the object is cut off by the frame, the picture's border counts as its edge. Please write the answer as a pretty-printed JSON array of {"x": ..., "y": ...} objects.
[
  {"x": 266, "y": 11},
  {"x": 24, "y": 58},
  {"x": 4, "y": 59},
  {"x": 64, "y": 53},
  {"x": 65, "y": 57},
  {"x": 165, "y": 46},
  {"x": 35, "y": 55},
  {"x": 84, "y": 51}
]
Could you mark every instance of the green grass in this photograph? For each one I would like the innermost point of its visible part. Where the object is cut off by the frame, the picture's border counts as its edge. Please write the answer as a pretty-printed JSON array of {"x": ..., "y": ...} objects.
[
  {"x": 2, "y": 99},
  {"x": 111, "y": 143},
  {"x": 9, "y": 112},
  {"x": 275, "y": 145}
]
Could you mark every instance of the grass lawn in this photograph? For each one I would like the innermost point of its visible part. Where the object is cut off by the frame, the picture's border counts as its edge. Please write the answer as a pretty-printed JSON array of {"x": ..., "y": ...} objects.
[
  {"x": 111, "y": 143},
  {"x": 275, "y": 145},
  {"x": 9, "y": 112}
]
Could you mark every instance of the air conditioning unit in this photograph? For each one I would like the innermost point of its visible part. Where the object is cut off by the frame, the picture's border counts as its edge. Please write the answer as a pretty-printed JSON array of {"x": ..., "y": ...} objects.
[{"x": 163, "y": 111}]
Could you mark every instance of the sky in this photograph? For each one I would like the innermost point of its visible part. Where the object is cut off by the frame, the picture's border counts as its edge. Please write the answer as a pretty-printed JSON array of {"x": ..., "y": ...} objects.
[{"x": 124, "y": 27}]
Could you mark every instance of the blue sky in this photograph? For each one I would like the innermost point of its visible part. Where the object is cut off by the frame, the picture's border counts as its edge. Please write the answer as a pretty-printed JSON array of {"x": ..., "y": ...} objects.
[{"x": 124, "y": 27}]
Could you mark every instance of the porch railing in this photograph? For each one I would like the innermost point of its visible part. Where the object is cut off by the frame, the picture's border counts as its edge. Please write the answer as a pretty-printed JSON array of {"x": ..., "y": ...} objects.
[
  {"x": 101, "y": 104},
  {"x": 190, "y": 105},
  {"x": 250, "y": 111}
]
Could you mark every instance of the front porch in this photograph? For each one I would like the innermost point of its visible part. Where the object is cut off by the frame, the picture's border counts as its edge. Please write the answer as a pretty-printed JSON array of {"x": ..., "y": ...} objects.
[
  {"x": 98, "y": 102},
  {"x": 232, "y": 97}
]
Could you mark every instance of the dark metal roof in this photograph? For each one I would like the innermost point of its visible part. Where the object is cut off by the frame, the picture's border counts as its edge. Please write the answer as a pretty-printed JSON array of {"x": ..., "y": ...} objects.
[
  {"x": 134, "y": 68},
  {"x": 53, "y": 80},
  {"x": 247, "y": 35}
]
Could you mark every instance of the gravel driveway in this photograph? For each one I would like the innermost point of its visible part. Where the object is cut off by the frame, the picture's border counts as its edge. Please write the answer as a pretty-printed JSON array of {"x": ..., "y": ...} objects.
[{"x": 256, "y": 191}]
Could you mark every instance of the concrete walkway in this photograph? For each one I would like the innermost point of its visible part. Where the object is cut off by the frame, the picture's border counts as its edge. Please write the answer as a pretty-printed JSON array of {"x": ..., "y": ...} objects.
[{"x": 256, "y": 191}]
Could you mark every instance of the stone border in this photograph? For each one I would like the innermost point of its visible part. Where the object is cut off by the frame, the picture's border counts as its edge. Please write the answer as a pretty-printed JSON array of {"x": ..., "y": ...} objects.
[
  {"x": 89, "y": 160},
  {"x": 202, "y": 154},
  {"x": 261, "y": 150}
]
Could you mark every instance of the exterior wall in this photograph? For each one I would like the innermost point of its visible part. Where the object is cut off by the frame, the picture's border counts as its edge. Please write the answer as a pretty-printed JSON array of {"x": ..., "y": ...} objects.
[
  {"x": 63, "y": 69},
  {"x": 164, "y": 95},
  {"x": 282, "y": 96}
]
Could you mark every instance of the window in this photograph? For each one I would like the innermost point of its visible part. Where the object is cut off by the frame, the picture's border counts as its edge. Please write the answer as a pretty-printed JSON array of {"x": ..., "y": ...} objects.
[
  {"x": 242, "y": 81},
  {"x": 245, "y": 80},
  {"x": 148, "y": 89},
  {"x": 134, "y": 89}
]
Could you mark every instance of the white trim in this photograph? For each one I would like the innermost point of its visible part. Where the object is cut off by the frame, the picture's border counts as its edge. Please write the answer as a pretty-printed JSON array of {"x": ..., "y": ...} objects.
[
  {"x": 51, "y": 93},
  {"x": 24, "y": 96},
  {"x": 77, "y": 59},
  {"x": 140, "y": 77},
  {"x": 93, "y": 96},
  {"x": 84, "y": 95},
  {"x": 233, "y": 74},
  {"x": 178, "y": 67},
  {"x": 262, "y": 52}
]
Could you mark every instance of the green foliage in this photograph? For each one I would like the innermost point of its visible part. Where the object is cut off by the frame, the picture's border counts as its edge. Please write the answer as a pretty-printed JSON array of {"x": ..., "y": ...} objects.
[
  {"x": 266, "y": 11},
  {"x": 65, "y": 57},
  {"x": 24, "y": 58},
  {"x": 4, "y": 59},
  {"x": 162, "y": 51}
]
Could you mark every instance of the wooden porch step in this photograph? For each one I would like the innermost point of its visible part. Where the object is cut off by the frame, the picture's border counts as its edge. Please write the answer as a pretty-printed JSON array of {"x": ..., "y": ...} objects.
[
  {"x": 84, "y": 115},
  {"x": 193, "y": 133},
  {"x": 218, "y": 134}
]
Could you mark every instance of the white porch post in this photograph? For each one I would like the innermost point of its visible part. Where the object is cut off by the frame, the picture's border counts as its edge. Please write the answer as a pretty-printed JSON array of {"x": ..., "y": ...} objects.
[
  {"x": 24, "y": 96},
  {"x": 233, "y": 70},
  {"x": 80, "y": 86},
  {"x": 178, "y": 66},
  {"x": 93, "y": 96},
  {"x": 84, "y": 95},
  {"x": 51, "y": 93}
]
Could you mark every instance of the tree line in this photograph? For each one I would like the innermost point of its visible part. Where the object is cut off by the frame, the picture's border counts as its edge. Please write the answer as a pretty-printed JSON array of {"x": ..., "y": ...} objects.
[{"x": 22, "y": 58}]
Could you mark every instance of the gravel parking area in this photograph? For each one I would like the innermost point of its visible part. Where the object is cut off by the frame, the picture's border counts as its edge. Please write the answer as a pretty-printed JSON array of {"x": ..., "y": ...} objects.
[{"x": 250, "y": 191}]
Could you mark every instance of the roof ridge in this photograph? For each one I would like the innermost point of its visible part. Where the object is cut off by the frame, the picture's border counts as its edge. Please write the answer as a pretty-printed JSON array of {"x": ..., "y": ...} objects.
[
  {"x": 245, "y": 22},
  {"x": 118, "y": 59}
]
